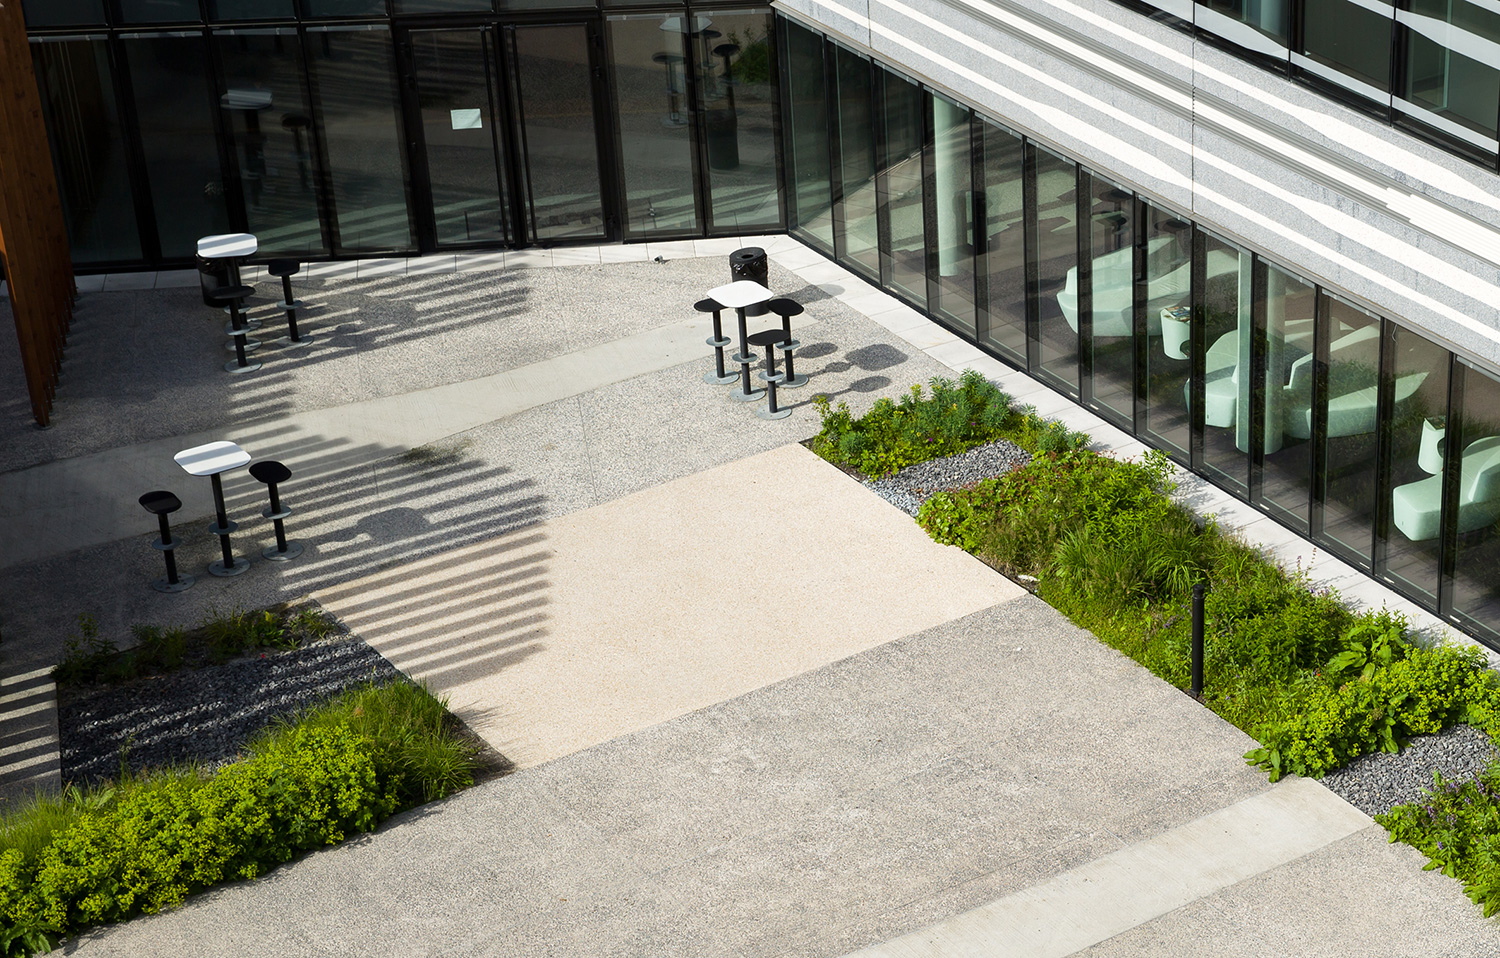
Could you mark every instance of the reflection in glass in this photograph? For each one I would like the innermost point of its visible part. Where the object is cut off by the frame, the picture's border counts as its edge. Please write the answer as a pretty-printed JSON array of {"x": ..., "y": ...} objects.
[
  {"x": 442, "y": 6},
  {"x": 62, "y": 13},
  {"x": 270, "y": 124},
  {"x": 1350, "y": 39},
  {"x": 1112, "y": 349},
  {"x": 1170, "y": 322},
  {"x": 811, "y": 192},
  {"x": 1056, "y": 258},
  {"x": 1450, "y": 89},
  {"x": 453, "y": 95},
  {"x": 1418, "y": 451},
  {"x": 952, "y": 176},
  {"x": 1225, "y": 305},
  {"x": 361, "y": 117},
  {"x": 169, "y": 79},
  {"x": 88, "y": 149},
  {"x": 343, "y": 8},
  {"x": 737, "y": 100},
  {"x": 1476, "y": 585},
  {"x": 250, "y": 10},
  {"x": 860, "y": 244},
  {"x": 905, "y": 106},
  {"x": 1255, "y": 24},
  {"x": 1352, "y": 372},
  {"x": 1286, "y": 473},
  {"x": 648, "y": 64},
  {"x": 557, "y": 105},
  {"x": 159, "y": 11},
  {"x": 1005, "y": 244}
]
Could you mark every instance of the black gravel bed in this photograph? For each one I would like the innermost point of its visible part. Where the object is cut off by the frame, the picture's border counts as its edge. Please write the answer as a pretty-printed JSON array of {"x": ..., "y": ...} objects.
[
  {"x": 205, "y": 715},
  {"x": 914, "y": 485},
  {"x": 1377, "y": 782}
]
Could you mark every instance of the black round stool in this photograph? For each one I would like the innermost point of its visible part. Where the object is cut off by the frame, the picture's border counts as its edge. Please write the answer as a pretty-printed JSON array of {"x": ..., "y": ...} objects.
[
  {"x": 272, "y": 472},
  {"x": 718, "y": 341},
  {"x": 162, "y": 503},
  {"x": 786, "y": 309},
  {"x": 237, "y": 330},
  {"x": 285, "y": 269},
  {"x": 770, "y": 339}
]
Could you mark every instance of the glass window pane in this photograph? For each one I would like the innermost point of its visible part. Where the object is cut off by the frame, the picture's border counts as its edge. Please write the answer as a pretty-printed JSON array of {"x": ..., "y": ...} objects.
[
  {"x": 1453, "y": 66},
  {"x": 1005, "y": 243},
  {"x": 1056, "y": 259},
  {"x": 860, "y": 245},
  {"x": 1352, "y": 39},
  {"x": 458, "y": 129},
  {"x": 738, "y": 95},
  {"x": 562, "y": 160},
  {"x": 442, "y": 6},
  {"x": 1476, "y": 586},
  {"x": 900, "y": 187},
  {"x": 1170, "y": 327},
  {"x": 648, "y": 64},
  {"x": 266, "y": 112},
  {"x": 1259, "y": 25},
  {"x": 343, "y": 8},
  {"x": 159, "y": 11},
  {"x": 62, "y": 13},
  {"x": 250, "y": 10},
  {"x": 88, "y": 149},
  {"x": 1352, "y": 367},
  {"x": 811, "y": 194},
  {"x": 1112, "y": 348},
  {"x": 1418, "y": 429},
  {"x": 174, "y": 111},
  {"x": 1226, "y": 301},
  {"x": 953, "y": 188},
  {"x": 356, "y": 77},
  {"x": 1286, "y": 474}
]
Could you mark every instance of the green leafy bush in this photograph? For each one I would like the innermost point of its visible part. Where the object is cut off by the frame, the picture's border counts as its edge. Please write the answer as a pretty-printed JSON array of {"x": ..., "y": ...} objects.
[
  {"x": 145, "y": 845},
  {"x": 1458, "y": 828}
]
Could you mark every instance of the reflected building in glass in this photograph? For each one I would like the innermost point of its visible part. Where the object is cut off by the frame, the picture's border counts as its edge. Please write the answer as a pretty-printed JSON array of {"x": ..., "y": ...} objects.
[{"x": 1259, "y": 235}]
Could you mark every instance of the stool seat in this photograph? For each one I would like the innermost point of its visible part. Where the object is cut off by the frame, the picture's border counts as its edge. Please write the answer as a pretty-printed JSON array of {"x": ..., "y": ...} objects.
[
  {"x": 270, "y": 471},
  {"x": 771, "y": 337},
  {"x": 707, "y": 306},
  {"x": 230, "y": 294},
  {"x": 785, "y": 307},
  {"x": 160, "y": 502},
  {"x": 283, "y": 267}
]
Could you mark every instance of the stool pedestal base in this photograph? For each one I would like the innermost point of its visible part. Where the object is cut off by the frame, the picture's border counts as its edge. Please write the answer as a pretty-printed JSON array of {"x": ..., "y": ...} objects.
[
  {"x": 183, "y": 583},
  {"x": 293, "y": 550},
  {"x": 218, "y": 568}
]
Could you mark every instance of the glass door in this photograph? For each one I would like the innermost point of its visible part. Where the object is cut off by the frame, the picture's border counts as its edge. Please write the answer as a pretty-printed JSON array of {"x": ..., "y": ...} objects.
[
  {"x": 460, "y": 140},
  {"x": 556, "y": 99}
]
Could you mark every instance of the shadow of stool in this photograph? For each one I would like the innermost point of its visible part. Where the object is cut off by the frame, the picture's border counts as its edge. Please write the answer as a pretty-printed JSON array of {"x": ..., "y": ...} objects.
[
  {"x": 285, "y": 269},
  {"x": 162, "y": 504},
  {"x": 237, "y": 330},
  {"x": 271, "y": 472}
]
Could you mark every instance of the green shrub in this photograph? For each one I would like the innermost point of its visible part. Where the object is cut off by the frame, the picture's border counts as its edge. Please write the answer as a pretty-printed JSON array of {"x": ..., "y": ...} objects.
[
  {"x": 85, "y": 655},
  {"x": 83, "y": 859},
  {"x": 1458, "y": 828}
]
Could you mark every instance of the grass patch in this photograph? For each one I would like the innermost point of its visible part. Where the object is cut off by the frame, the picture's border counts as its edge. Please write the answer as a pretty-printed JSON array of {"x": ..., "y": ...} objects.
[
  {"x": 436, "y": 455},
  {"x": 145, "y": 844}
]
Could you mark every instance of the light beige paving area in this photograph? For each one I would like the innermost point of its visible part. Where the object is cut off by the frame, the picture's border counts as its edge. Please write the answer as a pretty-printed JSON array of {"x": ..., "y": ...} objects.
[{"x": 583, "y": 628}]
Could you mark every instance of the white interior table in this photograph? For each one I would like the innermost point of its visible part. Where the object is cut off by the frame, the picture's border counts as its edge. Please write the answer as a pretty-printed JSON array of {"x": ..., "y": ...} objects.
[
  {"x": 213, "y": 459},
  {"x": 739, "y": 296}
]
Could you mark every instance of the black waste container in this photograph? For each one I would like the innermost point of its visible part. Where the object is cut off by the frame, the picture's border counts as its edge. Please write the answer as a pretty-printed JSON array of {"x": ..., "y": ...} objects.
[
  {"x": 751, "y": 263},
  {"x": 212, "y": 275}
]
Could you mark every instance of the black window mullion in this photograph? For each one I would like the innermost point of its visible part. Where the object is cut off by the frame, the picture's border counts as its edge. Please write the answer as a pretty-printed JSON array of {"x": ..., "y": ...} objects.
[
  {"x": 1199, "y": 333},
  {"x": 416, "y": 139},
  {"x": 234, "y": 187},
  {"x": 323, "y": 176},
  {"x": 1322, "y": 329},
  {"x": 494, "y": 86},
  {"x": 699, "y": 121},
  {"x": 980, "y": 217},
  {"x": 1259, "y": 283},
  {"x": 832, "y": 101},
  {"x": 882, "y": 180},
  {"x": 135, "y": 154},
  {"x": 1083, "y": 194},
  {"x": 1452, "y": 480},
  {"x": 525, "y": 224},
  {"x": 1140, "y": 341},
  {"x": 1030, "y": 239},
  {"x": 929, "y": 201}
]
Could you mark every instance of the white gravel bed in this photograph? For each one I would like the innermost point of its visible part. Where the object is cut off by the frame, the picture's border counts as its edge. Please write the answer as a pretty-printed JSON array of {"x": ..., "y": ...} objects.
[
  {"x": 1377, "y": 782},
  {"x": 914, "y": 485}
]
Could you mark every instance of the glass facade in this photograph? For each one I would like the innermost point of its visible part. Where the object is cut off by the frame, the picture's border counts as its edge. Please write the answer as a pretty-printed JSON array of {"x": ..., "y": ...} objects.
[
  {"x": 346, "y": 127},
  {"x": 1322, "y": 415}
]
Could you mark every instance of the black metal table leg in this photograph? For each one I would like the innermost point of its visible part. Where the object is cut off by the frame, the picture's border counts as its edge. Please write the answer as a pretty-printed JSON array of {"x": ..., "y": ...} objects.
[{"x": 229, "y": 565}]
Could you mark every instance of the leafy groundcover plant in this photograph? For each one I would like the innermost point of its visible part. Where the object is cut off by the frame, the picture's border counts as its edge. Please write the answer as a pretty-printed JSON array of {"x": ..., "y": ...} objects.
[
  {"x": 1458, "y": 829},
  {"x": 86, "y": 858},
  {"x": 1314, "y": 683}
]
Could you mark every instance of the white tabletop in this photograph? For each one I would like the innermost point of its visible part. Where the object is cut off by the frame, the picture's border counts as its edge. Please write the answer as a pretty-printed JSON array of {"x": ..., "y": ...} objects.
[
  {"x": 740, "y": 294},
  {"x": 247, "y": 99},
  {"x": 227, "y": 244},
  {"x": 212, "y": 458}
]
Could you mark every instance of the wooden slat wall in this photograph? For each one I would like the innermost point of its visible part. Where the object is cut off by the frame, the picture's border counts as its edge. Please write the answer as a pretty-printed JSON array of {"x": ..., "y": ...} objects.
[{"x": 33, "y": 239}]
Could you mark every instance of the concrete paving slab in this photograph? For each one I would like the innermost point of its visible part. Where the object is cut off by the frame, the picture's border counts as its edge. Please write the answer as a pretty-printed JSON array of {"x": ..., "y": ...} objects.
[
  {"x": 28, "y": 735},
  {"x": 665, "y": 601}
]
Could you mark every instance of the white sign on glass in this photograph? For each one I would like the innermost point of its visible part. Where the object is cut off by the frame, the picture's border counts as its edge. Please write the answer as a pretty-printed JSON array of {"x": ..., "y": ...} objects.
[{"x": 467, "y": 120}]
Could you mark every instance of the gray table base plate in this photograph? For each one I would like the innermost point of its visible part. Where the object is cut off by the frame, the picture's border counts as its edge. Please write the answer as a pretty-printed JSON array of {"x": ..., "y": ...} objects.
[
  {"x": 751, "y": 396},
  {"x": 285, "y": 342},
  {"x": 294, "y": 304},
  {"x": 293, "y": 550},
  {"x": 251, "y": 345},
  {"x": 799, "y": 380},
  {"x": 241, "y": 564},
  {"x": 234, "y": 367},
  {"x": 714, "y": 379},
  {"x": 765, "y": 413},
  {"x": 184, "y": 583}
]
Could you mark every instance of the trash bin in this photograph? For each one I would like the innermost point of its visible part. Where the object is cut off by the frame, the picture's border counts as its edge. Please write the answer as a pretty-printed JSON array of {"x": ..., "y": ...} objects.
[
  {"x": 751, "y": 263},
  {"x": 212, "y": 275}
]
